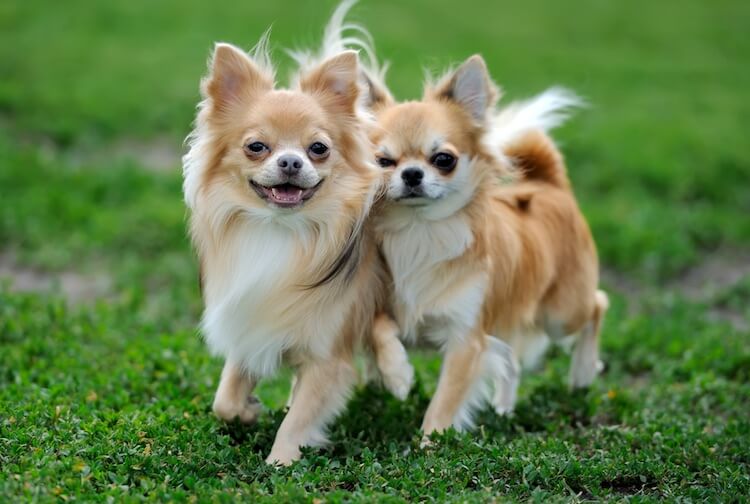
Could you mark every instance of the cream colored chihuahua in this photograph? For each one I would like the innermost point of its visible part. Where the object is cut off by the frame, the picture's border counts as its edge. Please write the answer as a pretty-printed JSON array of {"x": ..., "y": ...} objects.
[{"x": 279, "y": 183}]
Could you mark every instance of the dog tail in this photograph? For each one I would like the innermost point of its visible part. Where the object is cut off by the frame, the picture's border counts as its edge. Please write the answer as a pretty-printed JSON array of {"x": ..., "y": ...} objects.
[
  {"x": 341, "y": 35},
  {"x": 519, "y": 131}
]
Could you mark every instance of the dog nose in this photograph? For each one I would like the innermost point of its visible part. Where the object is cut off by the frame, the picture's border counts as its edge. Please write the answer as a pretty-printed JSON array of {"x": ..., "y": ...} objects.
[
  {"x": 412, "y": 176},
  {"x": 290, "y": 164}
]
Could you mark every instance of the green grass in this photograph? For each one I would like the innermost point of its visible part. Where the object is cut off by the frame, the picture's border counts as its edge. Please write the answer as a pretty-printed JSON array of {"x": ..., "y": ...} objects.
[{"x": 112, "y": 398}]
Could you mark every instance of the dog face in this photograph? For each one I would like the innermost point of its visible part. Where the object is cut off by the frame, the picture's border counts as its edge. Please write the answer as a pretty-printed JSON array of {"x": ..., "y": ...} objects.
[
  {"x": 428, "y": 147},
  {"x": 285, "y": 151},
  {"x": 271, "y": 151}
]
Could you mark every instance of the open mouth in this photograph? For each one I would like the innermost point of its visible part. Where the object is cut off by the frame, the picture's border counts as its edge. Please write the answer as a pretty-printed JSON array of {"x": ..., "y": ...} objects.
[{"x": 285, "y": 195}]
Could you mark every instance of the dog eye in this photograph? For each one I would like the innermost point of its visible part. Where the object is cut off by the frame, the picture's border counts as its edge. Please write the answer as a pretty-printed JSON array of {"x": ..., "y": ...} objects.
[
  {"x": 443, "y": 161},
  {"x": 385, "y": 162},
  {"x": 318, "y": 150},
  {"x": 256, "y": 148}
]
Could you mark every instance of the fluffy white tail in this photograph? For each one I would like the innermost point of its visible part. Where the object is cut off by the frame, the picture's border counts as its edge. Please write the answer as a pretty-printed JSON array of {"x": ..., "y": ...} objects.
[
  {"x": 543, "y": 112},
  {"x": 339, "y": 36}
]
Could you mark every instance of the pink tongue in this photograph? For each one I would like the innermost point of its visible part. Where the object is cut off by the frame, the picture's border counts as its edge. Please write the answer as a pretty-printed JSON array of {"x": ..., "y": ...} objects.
[{"x": 286, "y": 194}]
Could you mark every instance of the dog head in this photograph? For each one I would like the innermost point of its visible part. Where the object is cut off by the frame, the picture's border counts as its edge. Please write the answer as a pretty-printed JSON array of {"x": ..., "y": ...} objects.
[
  {"x": 429, "y": 148},
  {"x": 275, "y": 152}
]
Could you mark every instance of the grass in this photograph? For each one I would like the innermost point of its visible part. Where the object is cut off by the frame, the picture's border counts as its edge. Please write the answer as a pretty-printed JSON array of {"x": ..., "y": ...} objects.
[{"x": 110, "y": 398}]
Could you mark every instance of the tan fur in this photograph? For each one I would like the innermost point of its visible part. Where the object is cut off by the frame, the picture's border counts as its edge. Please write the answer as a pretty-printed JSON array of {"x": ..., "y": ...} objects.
[
  {"x": 234, "y": 397},
  {"x": 529, "y": 251},
  {"x": 391, "y": 358},
  {"x": 265, "y": 270},
  {"x": 536, "y": 157},
  {"x": 461, "y": 367}
]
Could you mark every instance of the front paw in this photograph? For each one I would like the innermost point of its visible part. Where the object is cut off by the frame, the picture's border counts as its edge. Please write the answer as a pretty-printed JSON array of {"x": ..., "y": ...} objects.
[
  {"x": 283, "y": 455},
  {"x": 504, "y": 400},
  {"x": 426, "y": 443},
  {"x": 397, "y": 371},
  {"x": 582, "y": 375},
  {"x": 399, "y": 378},
  {"x": 245, "y": 410},
  {"x": 427, "y": 431}
]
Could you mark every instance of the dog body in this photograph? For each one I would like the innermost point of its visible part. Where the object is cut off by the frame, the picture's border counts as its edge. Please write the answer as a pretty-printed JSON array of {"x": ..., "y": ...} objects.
[
  {"x": 279, "y": 183},
  {"x": 472, "y": 258}
]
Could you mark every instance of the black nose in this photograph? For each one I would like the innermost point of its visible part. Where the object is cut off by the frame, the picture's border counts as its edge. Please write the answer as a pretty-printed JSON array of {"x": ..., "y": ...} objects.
[
  {"x": 290, "y": 164},
  {"x": 412, "y": 176}
]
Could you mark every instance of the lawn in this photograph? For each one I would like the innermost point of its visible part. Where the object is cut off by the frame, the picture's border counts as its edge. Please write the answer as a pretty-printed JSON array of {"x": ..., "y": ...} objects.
[{"x": 106, "y": 387}]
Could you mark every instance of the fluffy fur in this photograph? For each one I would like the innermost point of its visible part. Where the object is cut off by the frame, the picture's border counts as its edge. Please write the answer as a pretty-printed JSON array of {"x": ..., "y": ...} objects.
[
  {"x": 289, "y": 272},
  {"x": 474, "y": 259},
  {"x": 341, "y": 35}
]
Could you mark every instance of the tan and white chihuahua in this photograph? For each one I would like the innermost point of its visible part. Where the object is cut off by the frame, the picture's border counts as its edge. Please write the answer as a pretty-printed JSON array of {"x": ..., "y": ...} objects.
[
  {"x": 474, "y": 257},
  {"x": 279, "y": 183}
]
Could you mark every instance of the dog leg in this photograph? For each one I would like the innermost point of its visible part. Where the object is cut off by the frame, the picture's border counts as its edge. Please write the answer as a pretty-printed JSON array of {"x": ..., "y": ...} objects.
[
  {"x": 320, "y": 393},
  {"x": 390, "y": 355},
  {"x": 234, "y": 397},
  {"x": 506, "y": 371},
  {"x": 292, "y": 390},
  {"x": 461, "y": 369},
  {"x": 585, "y": 363}
]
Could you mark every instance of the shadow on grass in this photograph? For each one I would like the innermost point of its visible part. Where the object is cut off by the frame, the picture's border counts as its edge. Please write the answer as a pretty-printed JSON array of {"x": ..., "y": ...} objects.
[{"x": 377, "y": 424}]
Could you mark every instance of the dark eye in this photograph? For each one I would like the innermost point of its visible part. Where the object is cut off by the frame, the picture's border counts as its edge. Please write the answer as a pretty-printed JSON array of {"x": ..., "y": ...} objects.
[
  {"x": 443, "y": 161},
  {"x": 318, "y": 150},
  {"x": 385, "y": 162},
  {"x": 256, "y": 148}
]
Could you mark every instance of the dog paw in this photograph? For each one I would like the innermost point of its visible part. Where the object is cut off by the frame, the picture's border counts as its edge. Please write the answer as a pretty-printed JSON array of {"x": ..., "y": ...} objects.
[
  {"x": 582, "y": 376},
  {"x": 504, "y": 400},
  {"x": 583, "y": 371},
  {"x": 504, "y": 410},
  {"x": 506, "y": 395},
  {"x": 600, "y": 366},
  {"x": 505, "y": 407},
  {"x": 399, "y": 379},
  {"x": 246, "y": 410},
  {"x": 283, "y": 456}
]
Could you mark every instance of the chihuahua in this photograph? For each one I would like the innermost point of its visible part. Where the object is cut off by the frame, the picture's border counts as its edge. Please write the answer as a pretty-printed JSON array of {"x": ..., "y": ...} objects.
[
  {"x": 483, "y": 237},
  {"x": 279, "y": 183}
]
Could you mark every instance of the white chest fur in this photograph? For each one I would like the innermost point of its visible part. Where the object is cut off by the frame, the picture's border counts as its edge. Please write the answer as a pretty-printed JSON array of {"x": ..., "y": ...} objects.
[
  {"x": 256, "y": 308},
  {"x": 427, "y": 292}
]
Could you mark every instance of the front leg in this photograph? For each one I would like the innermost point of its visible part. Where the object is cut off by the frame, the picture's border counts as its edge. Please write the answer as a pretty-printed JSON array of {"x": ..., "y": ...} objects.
[
  {"x": 461, "y": 370},
  {"x": 320, "y": 393},
  {"x": 234, "y": 397},
  {"x": 391, "y": 358}
]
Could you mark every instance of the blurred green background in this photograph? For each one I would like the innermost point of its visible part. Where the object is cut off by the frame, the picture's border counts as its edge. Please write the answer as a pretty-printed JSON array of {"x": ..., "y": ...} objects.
[
  {"x": 660, "y": 157},
  {"x": 98, "y": 353}
]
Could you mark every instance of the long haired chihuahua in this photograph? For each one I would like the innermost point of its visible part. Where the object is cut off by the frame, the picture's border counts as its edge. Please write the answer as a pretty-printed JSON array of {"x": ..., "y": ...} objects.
[
  {"x": 279, "y": 183},
  {"x": 474, "y": 257}
]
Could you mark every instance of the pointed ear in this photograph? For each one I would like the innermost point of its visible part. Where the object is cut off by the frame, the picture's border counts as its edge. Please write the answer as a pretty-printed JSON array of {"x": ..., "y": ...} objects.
[
  {"x": 377, "y": 95},
  {"x": 470, "y": 87},
  {"x": 234, "y": 77},
  {"x": 336, "y": 80}
]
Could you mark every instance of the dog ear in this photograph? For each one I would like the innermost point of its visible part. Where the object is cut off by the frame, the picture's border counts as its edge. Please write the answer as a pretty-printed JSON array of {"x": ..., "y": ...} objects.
[
  {"x": 377, "y": 95},
  {"x": 234, "y": 77},
  {"x": 470, "y": 87},
  {"x": 335, "y": 81}
]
